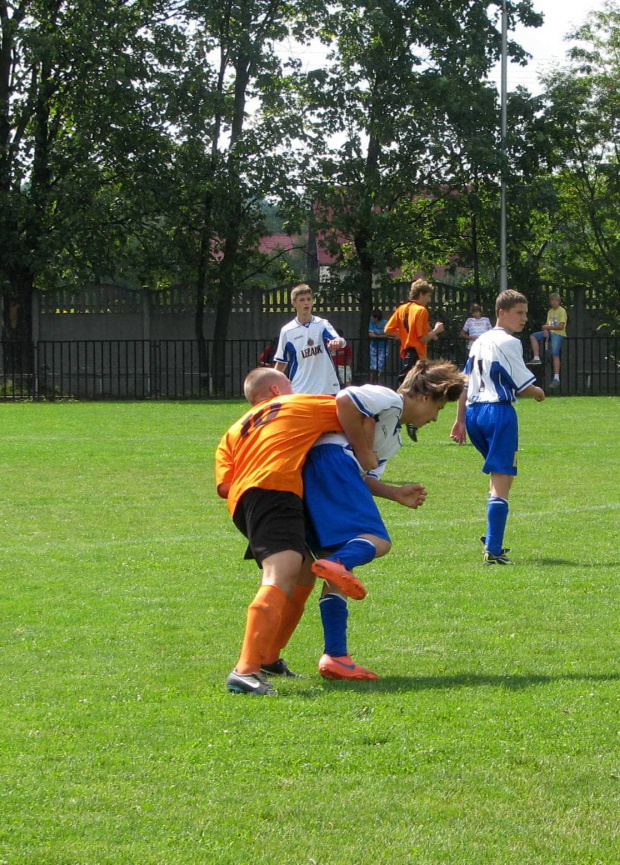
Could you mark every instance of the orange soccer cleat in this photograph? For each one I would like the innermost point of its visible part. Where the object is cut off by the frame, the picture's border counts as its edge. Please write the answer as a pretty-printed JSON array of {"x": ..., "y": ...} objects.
[
  {"x": 337, "y": 574},
  {"x": 343, "y": 667}
]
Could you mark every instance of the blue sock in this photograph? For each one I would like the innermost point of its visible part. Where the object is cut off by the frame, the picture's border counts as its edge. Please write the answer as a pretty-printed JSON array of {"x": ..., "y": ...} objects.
[
  {"x": 334, "y": 615},
  {"x": 357, "y": 552},
  {"x": 497, "y": 514}
]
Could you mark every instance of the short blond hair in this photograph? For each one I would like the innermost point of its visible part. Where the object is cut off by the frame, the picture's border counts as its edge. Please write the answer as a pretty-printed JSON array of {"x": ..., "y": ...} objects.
[
  {"x": 420, "y": 286},
  {"x": 302, "y": 288},
  {"x": 440, "y": 380},
  {"x": 256, "y": 386}
]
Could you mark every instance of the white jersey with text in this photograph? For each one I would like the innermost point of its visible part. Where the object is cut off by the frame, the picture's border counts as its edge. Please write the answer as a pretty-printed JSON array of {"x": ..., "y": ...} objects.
[
  {"x": 495, "y": 368},
  {"x": 304, "y": 348},
  {"x": 386, "y": 407}
]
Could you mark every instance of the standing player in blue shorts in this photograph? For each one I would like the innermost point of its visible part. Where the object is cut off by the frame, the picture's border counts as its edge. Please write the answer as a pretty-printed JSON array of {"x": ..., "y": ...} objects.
[
  {"x": 343, "y": 517},
  {"x": 496, "y": 375}
]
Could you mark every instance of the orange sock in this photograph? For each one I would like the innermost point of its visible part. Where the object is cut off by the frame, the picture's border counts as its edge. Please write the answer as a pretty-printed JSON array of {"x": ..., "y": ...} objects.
[
  {"x": 263, "y": 621},
  {"x": 291, "y": 615}
]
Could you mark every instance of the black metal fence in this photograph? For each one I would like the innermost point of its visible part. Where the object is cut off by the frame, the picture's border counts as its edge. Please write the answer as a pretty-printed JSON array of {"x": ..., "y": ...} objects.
[{"x": 183, "y": 369}]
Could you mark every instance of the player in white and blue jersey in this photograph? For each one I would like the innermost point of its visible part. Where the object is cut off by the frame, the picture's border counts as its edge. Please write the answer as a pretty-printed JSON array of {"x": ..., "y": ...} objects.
[
  {"x": 496, "y": 374},
  {"x": 304, "y": 346},
  {"x": 343, "y": 518}
]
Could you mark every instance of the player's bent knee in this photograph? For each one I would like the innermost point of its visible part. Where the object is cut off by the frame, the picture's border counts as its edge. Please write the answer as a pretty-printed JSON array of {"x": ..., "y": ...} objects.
[{"x": 383, "y": 546}]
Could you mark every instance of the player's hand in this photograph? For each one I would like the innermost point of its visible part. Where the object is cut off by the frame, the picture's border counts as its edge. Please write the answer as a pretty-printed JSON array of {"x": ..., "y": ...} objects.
[
  {"x": 335, "y": 344},
  {"x": 439, "y": 327},
  {"x": 539, "y": 394},
  {"x": 367, "y": 459},
  {"x": 459, "y": 433},
  {"x": 411, "y": 495}
]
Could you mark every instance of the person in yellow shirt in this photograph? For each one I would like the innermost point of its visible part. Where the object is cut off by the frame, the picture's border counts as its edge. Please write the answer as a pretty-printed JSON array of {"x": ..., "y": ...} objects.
[{"x": 554, "y": 330}]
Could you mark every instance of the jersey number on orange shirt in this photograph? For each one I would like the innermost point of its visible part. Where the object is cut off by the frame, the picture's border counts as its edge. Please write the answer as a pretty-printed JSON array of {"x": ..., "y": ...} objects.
[{"x": 262, "y": 416}]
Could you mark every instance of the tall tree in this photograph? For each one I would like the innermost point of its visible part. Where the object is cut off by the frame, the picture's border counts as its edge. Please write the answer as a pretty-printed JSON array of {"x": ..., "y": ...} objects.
[
  {"x": 584, "y": 113},
  {"x": 73, "y": 77},
  {"x": 232, "y": 110},
  {"x": 398, "y": 70}
]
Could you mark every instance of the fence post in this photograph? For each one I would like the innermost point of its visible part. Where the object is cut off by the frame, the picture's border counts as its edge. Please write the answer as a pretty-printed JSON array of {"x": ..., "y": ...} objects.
[
  {"x": 146, "y": 341},
  {"x": 256, "y": 311},
  {"x": 579, "y": 312},
  {"x": 36, "y": 315}
]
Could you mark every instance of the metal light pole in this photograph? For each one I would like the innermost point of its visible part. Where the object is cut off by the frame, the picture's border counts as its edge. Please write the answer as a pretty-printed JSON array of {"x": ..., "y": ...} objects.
[{"x": 503, "y": 271}]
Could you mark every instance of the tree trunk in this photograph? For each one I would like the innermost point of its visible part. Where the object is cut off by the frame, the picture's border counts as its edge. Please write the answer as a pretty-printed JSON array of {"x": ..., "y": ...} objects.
[
  {"x": 18, "y": 350},
  {"x": 201, "y": 288},
  {"x": 366, "y": 305},
  {"x": 227, "y": 286},
  {"x": 475, "y": 257}
]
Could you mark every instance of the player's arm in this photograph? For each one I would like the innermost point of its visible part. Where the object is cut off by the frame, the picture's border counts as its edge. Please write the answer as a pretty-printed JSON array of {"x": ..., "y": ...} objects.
[
  {"x": 336, "y": 343},
  {"x": 224, "y": 468},
  {"x": 408, "y": 495},
  {"x": 433, "y": 334},
  {"x": 391, "y": 327},
  {"x": 534, "y": 391},
  {"x": 458, "y": 432},
  {"x": 356, "y": 430},
  {"x": 281, "y": 352}
]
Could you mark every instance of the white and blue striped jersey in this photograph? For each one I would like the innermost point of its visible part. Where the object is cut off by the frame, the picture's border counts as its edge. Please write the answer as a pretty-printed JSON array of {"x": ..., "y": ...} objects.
[
  {"x": 495, "y": 368},
  {"x": 386, "y": 406},
  {"x": 304, "y": 348}
]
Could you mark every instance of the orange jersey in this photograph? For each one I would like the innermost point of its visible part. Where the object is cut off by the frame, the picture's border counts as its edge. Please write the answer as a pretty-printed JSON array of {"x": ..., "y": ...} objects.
[
  {"x": 409, "y": 322},
  {"x": 267, "y": 447}
]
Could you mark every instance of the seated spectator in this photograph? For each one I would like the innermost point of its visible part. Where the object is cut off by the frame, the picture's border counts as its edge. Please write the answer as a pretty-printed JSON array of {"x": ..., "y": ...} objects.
[
  {"x": 554, "y": 333},
  {"x": 476, "y": 324}
]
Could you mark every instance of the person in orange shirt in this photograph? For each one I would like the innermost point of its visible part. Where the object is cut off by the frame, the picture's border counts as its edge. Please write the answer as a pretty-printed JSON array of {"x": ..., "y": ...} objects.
[
  {"x": 409, "y": 322},
  {"x": 258, "y": 471}
]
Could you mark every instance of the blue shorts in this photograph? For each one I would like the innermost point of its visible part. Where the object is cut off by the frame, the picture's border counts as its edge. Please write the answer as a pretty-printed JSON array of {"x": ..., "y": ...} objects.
[
  {"x": 339, "y": 505},
  {"x": 379, "y": 351},
  {"x": 556, "y": 341},
  {"x": 494, "y": 431}
]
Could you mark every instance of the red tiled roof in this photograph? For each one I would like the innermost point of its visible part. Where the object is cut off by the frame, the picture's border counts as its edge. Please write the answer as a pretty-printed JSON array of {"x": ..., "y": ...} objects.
[{"x": 280, "y": 242}]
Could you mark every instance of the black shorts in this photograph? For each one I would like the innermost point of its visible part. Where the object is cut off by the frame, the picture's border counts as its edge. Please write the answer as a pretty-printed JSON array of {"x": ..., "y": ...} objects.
[
  {"x": 409, "y": 361},
  {"x": 272, "y": 521}
]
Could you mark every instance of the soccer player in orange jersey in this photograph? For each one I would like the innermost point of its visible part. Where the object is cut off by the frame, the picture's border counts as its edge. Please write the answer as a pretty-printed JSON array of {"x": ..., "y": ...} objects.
[
  {"x": 258, "y": 471},
  {"x": 410, "y": 323}
]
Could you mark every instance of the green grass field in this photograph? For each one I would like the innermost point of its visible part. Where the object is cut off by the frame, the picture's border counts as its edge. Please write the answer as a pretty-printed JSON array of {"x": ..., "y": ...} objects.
[{"x": 493, "y": 735}]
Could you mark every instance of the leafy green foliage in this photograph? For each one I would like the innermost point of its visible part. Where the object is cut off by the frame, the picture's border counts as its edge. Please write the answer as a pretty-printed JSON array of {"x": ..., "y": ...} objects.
[
  {"x": 584, "y": 110},
  {"x": 416, "y": 121},
  {"x": 139, "y": 141}
]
